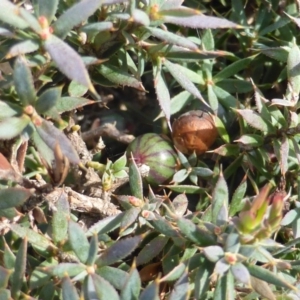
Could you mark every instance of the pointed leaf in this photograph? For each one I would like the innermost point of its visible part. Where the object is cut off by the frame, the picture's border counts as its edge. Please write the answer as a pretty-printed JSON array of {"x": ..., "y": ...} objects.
[
  {"x": 162, "y": 91},
  {"x": 61, "y": 269},
  {"x": 129, "y": 218},
  {"x": 180, "y": 203},
  {"x": 4, "y": 277},
  {"x": 293, "y": 69},
  {"x": 78, "y": 241},
  {"x": 68, "y": 61},
  {"x": 172, "y": 38},
  {"x": 151, "y": 250},
  {"x": 60, "y": 219},
  {"x": 68, "y": 290},
  {"x": 51, "y": 135},
  {"x": 268, "y": 276},
  {"x": 151, "y": 292},
  {"x": 183, "y": 80},
  {"x": 181, "y": 288},
  {"x": 116, "y": 277},
  {"x": 202, "y": 279},
  {"x": 225, "y": 288},
  {"x": 254, "y": 120},
  {"x": 253, "y": 140},
  {"x": 103, "y": 289},
  {"x": 47, "y": 100},
  {"x": 47, "y": 9},
  {"x": 131, "y": 289},
  {"x": 188, "y": 17},
  {"x": 32, "y": 236},
  {"x": 174, "y": 274},
  {"x": 24, "y": 82},
  {"x": 106, "y": 225},
  {"x": 197, "y": 234},
  {"x": 119, "y": 77},
  {"x": 119, "y": 250},
  {"x": 236, "y": 204},
  {"x": 163, "y": 226},
  {"x": 219, "y": 201},
  {"x": 213, "y": 253},
  {"x": 20, "y": 268},
  {"x": 135, "y": 179},
  {"x": 75, "y": 15},
  {"x": 262, "y": 288}
]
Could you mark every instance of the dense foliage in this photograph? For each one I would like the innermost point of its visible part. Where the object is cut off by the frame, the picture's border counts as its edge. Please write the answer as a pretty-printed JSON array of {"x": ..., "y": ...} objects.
[{"x": 81, "y": 217}]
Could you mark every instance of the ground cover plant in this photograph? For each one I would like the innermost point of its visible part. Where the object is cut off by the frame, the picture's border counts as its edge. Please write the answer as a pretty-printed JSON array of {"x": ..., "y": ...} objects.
[{"x": 149, "y": 149}]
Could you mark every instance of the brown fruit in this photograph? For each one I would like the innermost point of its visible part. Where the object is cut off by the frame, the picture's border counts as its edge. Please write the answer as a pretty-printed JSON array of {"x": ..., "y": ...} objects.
[{"x": 194, "y": 131}]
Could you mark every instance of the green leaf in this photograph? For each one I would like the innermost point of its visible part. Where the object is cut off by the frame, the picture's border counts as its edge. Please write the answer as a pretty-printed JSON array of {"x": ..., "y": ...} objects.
[
  {"x": 140, "y": 17},
  {"x": 8, "y": 110},
  {"x": 172, "y": 38},
  {"x": 76, "y": 90},
  {"x": 225, "y": 288},
  {"x": 221, "y": 129},
  {"x": 180, "y": 176},
  {"x": 75, "y": 15},
  {"x": 135, "y": 179},
  {"x": 119, "y": 77},
  {"x": 47, "y": 9},
  {"x": 116, "y": 277},
  {"x": 179, "y": 101},
  {"x": 262, "y": 288},
  {"x": 19, "y": 270},
  {"x": 129, "y": 218},
  {"x": 33, "y": 237},
  {"x": 181, "y": 288},
  {"x": 163, "y": 226},
  {"x": 68, "y": 290},
  {"x": 220, "y": 202},
  {"x": 202, "y": 172},
  {"x": 183, "y": 80},
  {"x": 24, "y": 82},
  {"x": 10, "y": 14},
  {"x": 106, "y": 225},
  {"x": 13, "y": 197},
  {"x": 162, "y": 91},
  {"x": 197, "y": 234},
  {"x": 51, "y": 136},
  {"x": 12, "y": 127},
  {"x": 78, "y": 241},
  {"x": 64, "y": 104},
  {"x": 202, "y": 279},
  {"x": 93, "y": 251},
  {"x": 293, "y": 70},
  {"x": 40, "y": 278},
  {"x": 119, "y": 250},
  {"x": 60, "y": 219},
  {"x": 61, "y": 269},
  {"x": 68, "y": 61},
  {"x": 9, "y": 258},
  {"x": 233, "y": 69},
  {"x": 252, "y": 140},
  {"x": 47, "y": 100},
  {"x": 97, "y": 286},
  {"x": 5, "y": 294},
  {"x": 188, "y": 17},
  {"x": 180, "y": 204},
  {"x": 188, "y": 189},
  {"x": 236, "y": 204},
  {"x": 268, "y": 276},
  {"x": 4, "y": 277},
  {"x": 131, "y": 289},
  {"x": 174, "y": 274},
  {"x": 23, "y": 47},
  {"x": 151, "y": 250}
]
